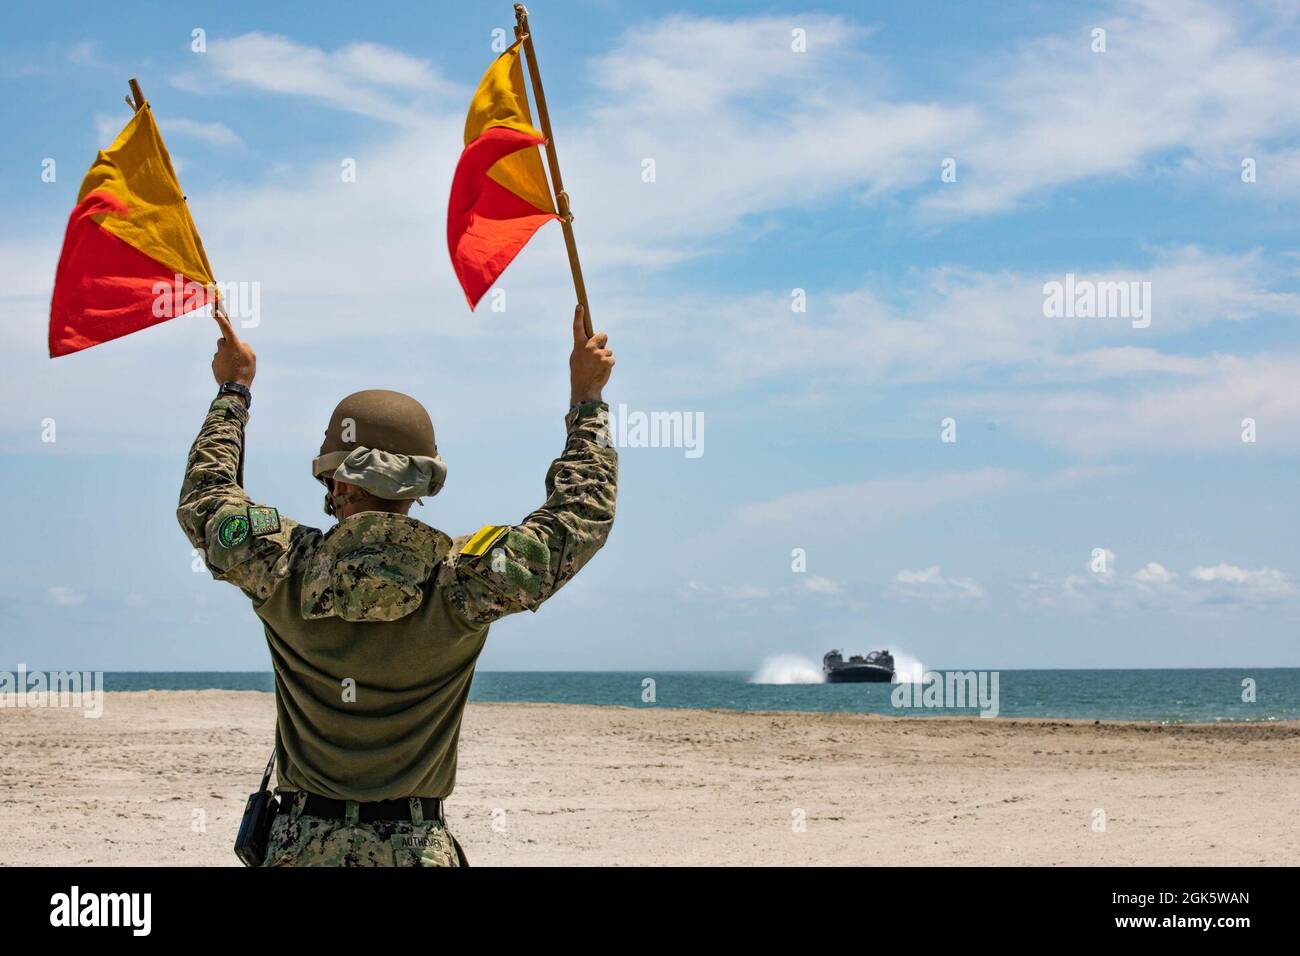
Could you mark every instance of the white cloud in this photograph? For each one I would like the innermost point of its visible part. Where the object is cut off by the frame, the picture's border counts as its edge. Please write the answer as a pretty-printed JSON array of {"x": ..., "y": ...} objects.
[
  {"x": 1177, "y": 77},
  {"x": 805, "y": 584},
  {"x": 946, "y": 323},
  {"x": 932, "y": 585},
  {"x": 1204, "y": 414},
  {"x": 1102, "y": 564},
  {"x": 65, "y": 596},
  {"x": 365, "y": 78},
  {"x": 791, "y": 593},
  {"x": 173, "y": 128},
  {"x": 214, "y": 134},
  {"x": 1153, "y": 574},
  {"x": 820, "y": 585},
  {"x": 842, "y": 511},
  {"x": 684, "y": 65},
  {"x": 1155, "y": 587},
  {"x": 1231, "y": 582},
  {"x": 695, "y": 95},
  {"x": 834, "y": 520}
]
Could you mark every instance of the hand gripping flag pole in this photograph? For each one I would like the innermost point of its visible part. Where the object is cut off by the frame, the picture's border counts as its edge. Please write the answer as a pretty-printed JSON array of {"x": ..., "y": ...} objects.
[{"x": 522, "y": 32}]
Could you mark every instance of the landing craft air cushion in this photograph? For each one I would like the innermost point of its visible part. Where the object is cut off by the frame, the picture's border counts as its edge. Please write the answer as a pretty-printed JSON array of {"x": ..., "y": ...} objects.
[{"x": 876, "y": 667}]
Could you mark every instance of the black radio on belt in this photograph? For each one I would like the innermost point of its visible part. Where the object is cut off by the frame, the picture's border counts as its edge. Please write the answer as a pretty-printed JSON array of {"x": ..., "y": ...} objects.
[{"x": 255, "y": 827}]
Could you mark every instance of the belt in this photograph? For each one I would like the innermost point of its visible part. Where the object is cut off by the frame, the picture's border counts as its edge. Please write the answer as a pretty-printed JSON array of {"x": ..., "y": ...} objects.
[{"x": 318, "y": 806}]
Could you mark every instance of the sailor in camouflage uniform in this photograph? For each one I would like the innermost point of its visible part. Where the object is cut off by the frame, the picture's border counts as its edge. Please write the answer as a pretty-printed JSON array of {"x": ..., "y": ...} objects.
[{"x": 374, "y": 626}]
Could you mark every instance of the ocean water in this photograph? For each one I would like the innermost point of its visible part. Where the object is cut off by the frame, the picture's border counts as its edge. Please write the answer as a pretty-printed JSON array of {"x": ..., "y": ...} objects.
[{"x": 1161, "y": 696}]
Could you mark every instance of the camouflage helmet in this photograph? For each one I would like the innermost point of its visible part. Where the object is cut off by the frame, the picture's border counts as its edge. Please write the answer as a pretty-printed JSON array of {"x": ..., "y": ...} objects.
[{"x": 383, "y": 442}]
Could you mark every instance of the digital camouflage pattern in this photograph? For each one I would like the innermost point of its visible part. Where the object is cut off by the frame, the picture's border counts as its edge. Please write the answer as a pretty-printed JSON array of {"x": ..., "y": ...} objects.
[
  {"x": 371, "y": 568},
  {"x": 374, "y": 627},
  {"x": 300, "y": 840}
]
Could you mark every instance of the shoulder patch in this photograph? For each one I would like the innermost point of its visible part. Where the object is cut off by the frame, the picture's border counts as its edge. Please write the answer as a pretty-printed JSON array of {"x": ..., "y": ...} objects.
[
  {"x": 233, "y": 530},
  {"x": 482, "y": 539},
  {"x": 263, "y": 521}
]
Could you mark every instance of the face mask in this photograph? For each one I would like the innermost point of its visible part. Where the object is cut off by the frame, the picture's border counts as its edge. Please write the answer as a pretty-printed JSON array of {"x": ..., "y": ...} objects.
[{"x": 333, "y": 502}]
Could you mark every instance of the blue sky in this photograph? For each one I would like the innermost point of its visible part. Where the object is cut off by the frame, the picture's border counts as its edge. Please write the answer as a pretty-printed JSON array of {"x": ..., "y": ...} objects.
[{"x": 775, "y": 170}]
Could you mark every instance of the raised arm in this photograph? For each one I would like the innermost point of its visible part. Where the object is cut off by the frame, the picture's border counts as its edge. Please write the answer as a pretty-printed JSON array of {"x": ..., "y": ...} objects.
[
  {"x": 501, "y": 570},
  {"x": 241, "y": 542},
  {"x": 214, "y": 473}
]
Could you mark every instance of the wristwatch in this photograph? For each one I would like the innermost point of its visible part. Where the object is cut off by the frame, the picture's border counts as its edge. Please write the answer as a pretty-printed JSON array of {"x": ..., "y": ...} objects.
[{"x": 234, "y": 388}]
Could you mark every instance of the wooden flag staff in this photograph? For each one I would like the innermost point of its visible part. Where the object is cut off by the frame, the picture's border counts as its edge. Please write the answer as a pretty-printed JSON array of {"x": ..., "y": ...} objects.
[{"x": 557, "y": 184}]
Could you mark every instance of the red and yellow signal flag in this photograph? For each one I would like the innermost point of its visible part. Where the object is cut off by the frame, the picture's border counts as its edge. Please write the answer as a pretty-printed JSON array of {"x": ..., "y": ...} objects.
[
  {"x": 499, "y": 193},
  {"x": 132, "y": 256}
]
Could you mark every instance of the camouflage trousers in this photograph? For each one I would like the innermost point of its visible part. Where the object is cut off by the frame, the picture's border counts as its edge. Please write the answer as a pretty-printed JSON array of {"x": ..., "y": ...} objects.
[{"x": 299, "y": 839}]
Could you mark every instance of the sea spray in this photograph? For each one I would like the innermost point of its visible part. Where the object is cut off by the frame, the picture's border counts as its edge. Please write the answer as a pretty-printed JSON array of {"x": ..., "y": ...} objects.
[
  {"x": 907, "y": 668},
  {"x": 793, "y": 669},
  {"x": 788, "y": 669}
]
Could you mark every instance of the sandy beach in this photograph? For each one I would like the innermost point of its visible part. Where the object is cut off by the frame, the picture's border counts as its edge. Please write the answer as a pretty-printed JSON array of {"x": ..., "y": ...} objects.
[{"x": 161, "y": 779}]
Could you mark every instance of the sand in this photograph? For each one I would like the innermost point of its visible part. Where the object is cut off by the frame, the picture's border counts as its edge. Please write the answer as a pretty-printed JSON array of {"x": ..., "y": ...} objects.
[{"x": 161, "y": 778}]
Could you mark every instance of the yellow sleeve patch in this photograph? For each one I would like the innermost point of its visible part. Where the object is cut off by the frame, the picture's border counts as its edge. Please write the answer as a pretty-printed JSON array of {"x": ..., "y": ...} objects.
[{"x": 482, "y": 539}]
